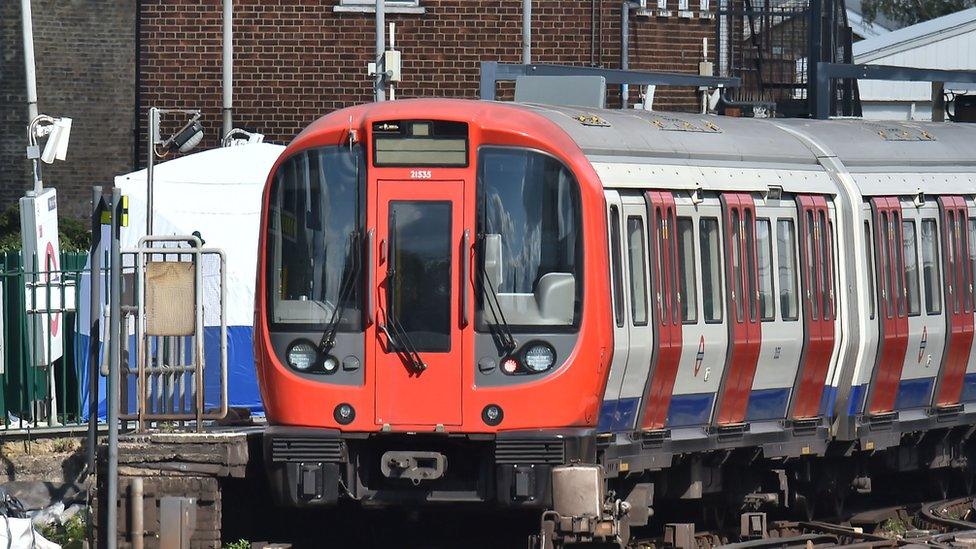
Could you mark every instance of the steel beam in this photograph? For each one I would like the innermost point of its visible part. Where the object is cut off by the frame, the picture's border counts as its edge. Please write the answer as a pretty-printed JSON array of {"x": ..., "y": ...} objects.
[
  {"x": 493, "y": 72},
  {"x": 826, "y": 72}
]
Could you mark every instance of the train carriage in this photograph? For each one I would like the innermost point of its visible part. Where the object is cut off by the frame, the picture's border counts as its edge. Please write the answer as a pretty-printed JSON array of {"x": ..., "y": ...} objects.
[{"x": 464, "y": 301}]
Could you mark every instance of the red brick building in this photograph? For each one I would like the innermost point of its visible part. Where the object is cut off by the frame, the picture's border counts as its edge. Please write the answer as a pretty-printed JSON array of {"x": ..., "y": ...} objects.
[{"x": 296, "y": 60}]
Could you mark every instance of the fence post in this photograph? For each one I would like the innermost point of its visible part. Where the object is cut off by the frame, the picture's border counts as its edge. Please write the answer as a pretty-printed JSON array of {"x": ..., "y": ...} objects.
[{"x": 113, "y": 378}]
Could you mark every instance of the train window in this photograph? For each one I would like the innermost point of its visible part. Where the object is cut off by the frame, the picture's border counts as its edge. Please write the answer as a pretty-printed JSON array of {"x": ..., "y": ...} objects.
[
  {"x": 711, "y": 260},
  {"x": 886, "y": 268},
  {"x": 529, "y": 203},
  {"x": 786, "y": 258},
  {"x": 314, "y": 238},
  {"x": 809, "y": 275},
  {"x": 764, "y": 244},
  {"x": 749, "y": 266},
  {"x": 911, "y": 268},
  {"x": 638, "y": 270},
  {"x": 869, "y": 252},
  {"x": 900, "y": 274},
  {"x": 972, "y": 260},
  {"x": 931, "y": 271},
  {"x": 736, "y": 262},
  {"x": 616, "y": 267},
  {"x": 950, "y": 251},
  {"x": 686, "y": 265},
  {"x": 823, "y": 270},
  {"x": 675, "y": 292}
]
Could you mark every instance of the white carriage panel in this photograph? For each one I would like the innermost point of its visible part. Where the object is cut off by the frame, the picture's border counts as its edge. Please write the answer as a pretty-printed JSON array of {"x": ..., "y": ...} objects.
[
  {"x": 634, "y": 379},
  {"x": 911, "y": 183},
  {"x": 621, "y": 338},
  {"x": 636, "y": 175}
]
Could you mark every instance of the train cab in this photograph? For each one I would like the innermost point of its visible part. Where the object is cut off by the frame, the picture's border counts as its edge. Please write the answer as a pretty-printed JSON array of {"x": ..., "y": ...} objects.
[{"x": 429, "y": 327}]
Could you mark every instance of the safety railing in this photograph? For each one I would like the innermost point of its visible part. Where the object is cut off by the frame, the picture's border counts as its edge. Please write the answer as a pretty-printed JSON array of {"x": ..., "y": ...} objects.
[
  {"x": 41, "y": 349},
  {"x": 169, "y": 316}
]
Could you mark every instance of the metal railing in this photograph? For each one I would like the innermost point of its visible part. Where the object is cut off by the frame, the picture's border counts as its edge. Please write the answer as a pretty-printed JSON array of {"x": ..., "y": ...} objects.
[{"x": 41, "y": 350}]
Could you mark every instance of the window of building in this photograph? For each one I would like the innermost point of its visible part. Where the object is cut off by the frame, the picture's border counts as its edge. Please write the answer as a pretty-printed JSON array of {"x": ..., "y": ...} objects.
[
  {"x": 930, "y": 267},
  {"x": 638, "y": 271},
  {"x": 686, "y": 274},
  {"x": 911, "y": 267},
  {"x": 711, "y": 269},
  {"x": 764, "y": 245},
  {"x": 617, "y": 267}
]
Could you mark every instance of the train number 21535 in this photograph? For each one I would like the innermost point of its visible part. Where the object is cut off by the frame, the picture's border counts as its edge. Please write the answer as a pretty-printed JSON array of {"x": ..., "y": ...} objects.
[{"x": 420, "y": 174}]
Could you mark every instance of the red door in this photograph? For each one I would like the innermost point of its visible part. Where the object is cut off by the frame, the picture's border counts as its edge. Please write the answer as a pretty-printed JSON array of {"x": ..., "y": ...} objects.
[
  {"x": 959, "y": 299},
  {"x": 745, "y": 333},
  {"x": 893, "y": 343},
  {"x": 667, "y": 308},
  {"x": 817, "y": 278},
  {"x": 419, "y": 232}
]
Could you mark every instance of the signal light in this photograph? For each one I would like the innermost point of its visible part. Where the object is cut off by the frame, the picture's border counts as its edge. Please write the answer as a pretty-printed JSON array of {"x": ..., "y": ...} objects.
[{"x": 509, "y": 365}]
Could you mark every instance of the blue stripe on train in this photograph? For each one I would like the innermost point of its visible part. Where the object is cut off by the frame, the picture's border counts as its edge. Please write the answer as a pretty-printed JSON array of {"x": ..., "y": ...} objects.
[
  {"x": 969, "y": 388},
  {"x": 914, "y": 393},
  {"x": 767, "y": 404}
]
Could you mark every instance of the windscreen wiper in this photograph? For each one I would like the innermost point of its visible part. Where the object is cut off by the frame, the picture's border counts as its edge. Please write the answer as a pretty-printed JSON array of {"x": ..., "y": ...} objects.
[
  {"x": 329, "y": 334},
  {"x": 401, "y": 343},
  {"x": 500, "y": 328}
]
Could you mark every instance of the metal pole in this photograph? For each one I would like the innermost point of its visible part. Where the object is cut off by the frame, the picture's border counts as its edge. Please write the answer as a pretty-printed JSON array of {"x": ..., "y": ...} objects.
[
  {"x": 28, "y": 24},
  {"x": 624, "y": 50},
  {"x": 527, "y": 32},
  {"x": 137, "y": 536},
  {"x": 150, "y": 158},
  {"x": 94, "y": 326},
  {"x": 228, "y": 66},
  {"x": 114, "y": 363},
  {"x": 379, "y": 90},
  {"x": 814, "y": 57}
]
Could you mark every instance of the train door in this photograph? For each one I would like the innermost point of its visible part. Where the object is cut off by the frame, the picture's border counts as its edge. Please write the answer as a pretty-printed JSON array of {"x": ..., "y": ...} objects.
[
  {"x": 704, "y": 331},
  {"x": 665, "y": 307},
  {"x": 957, "y": 267},
  {"x": 969, "y": 392},
  {"x": 617, "y": 414},
  {"x": 890, "y": 271},
  {"x": 745, "y": 332},
  {"x": 420, "y": 231},
  {"x": 782, "y": 331},
  {"x": 819, "y": 310}
]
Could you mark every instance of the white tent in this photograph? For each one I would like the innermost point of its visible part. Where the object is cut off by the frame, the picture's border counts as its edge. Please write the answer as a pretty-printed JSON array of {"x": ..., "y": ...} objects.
[{"x": 217, "y": 193}]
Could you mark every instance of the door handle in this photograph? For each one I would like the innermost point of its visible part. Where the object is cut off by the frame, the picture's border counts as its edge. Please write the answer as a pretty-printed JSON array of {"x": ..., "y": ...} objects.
[
  {"x": 370, "y": 269},
  {"x": 465, "y": 265}
]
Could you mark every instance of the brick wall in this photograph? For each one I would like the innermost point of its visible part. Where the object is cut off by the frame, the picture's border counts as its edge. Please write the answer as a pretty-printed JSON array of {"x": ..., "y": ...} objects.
[
  {"x": 85, "y": 57},
  {"x": 296, "y": 60}
]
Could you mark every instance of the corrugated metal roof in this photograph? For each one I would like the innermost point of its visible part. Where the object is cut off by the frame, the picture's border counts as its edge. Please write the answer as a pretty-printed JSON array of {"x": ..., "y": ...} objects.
[{"x": 916, "y": 35}]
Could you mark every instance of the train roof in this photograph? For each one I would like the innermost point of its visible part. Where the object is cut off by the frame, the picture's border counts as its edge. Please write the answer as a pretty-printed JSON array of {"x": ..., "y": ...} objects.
[{"x": 683, "y": 150}]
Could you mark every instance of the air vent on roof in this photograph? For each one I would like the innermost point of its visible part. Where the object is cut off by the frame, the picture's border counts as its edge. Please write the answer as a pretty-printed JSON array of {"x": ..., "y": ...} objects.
[
  {"x": 592, "y": 120},
  {"x": 897, "y": 132},
  {"x": 674, "y": 124}
]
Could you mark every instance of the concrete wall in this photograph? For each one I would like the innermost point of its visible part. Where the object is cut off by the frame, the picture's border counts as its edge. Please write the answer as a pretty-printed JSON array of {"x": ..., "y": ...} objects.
[{"x": 85, "y": 52}]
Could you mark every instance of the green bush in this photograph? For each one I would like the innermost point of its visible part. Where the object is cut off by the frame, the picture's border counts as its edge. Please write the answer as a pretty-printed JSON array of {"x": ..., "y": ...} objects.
[
  {"x": 69, "y": 535},
  {"x": 75, "y": 235}
]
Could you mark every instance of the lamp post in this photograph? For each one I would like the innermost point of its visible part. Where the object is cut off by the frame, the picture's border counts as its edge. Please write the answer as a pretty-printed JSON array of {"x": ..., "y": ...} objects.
[{"x": 183, "y": 140}]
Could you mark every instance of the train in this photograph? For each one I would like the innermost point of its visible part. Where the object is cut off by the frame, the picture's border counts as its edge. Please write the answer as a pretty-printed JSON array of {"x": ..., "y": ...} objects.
[{"x": 596, "y": 314}]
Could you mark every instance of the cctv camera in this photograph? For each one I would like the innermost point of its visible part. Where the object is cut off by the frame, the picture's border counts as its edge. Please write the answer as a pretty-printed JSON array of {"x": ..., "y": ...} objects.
[
  {"x": 188, "y": 137},
  {"x": 56, "y": 147}
]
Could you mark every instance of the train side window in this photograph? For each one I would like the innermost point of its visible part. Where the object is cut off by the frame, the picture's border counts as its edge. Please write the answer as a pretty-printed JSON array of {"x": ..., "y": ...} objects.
[
  {"x": 638, "y": 270},
  {"x": 616, "y": 267},
  {"x": 869, "y": 253},
  {"x": 972, "y": 260},
  {"x": 736, "y": 262},
  {"x": 786, "y": 258},
  {"x": 950, "y": 251},
  {"x": 750, "y": 271},
  {"x": 930, "y": 267},
  {"x": 764, "y": 247},
  {"x": 911, "y": 267},
  {"x": 711, "y": 260},
  {"x": 886, "y": 267},
  {"x": 809, "y": 275},
  {"x": 823, "y": 270},
  {"x": 899, "y": 273},
  {"x": 686, "y": 274}
]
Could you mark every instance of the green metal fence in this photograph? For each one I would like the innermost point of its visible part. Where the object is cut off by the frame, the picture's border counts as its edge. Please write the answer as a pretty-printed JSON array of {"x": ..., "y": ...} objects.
[{"x": 39, "y": 311}]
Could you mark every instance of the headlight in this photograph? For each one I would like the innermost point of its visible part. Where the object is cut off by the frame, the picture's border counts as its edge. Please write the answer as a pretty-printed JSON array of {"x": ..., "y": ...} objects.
[
  {"x": 302, "y": 355},
  {"x": 330, "y": 364},
  {"x": 539, "y": 357}
]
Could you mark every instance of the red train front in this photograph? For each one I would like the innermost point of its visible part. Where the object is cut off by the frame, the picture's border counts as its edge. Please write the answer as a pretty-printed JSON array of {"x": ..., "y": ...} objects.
[{"x": 431, "y": 320}]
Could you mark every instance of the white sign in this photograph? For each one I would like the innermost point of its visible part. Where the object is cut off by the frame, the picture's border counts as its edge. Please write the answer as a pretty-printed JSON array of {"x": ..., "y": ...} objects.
[{"x": 39, "y": 232}]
